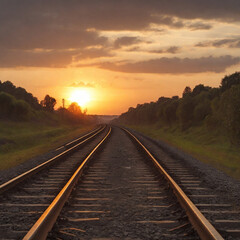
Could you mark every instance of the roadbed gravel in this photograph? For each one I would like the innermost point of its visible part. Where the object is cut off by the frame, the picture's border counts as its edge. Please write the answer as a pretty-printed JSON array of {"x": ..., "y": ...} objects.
[{"x": 215, "y": 178}]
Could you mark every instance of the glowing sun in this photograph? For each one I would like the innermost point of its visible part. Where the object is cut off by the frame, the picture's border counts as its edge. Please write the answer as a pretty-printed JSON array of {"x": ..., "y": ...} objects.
[{"x": 81, "y": 96}]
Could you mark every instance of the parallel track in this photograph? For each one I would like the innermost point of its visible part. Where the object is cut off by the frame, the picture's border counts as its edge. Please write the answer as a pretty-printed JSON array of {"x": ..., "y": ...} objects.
[
  {"x": 138, "y": 183},
  {"x": 25, "y": 197},
  {"x": 201, "y": 224},
  {"x": 71, "y": 147},
  {"x": 218, "y": 207}
]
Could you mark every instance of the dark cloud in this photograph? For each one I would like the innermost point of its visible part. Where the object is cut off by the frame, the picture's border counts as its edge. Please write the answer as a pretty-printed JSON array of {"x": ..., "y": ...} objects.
[
  {"x": 169, "y": 21},
  {"x": 40, "y": 24},
  {"x": 134, "y": 49},
  {"x": 174, "y": 22},
  {"x": 173, "y": 50},
  {"x": 47, "y": 37},
  {"x": 21, "y": 58},
  {"x": 82, "y": 84},
  {"x": 125, "y": 41},
  {"x": 60, "y": 25},
  {"x": 175, "y": 65},
  {"x": 47, "y": 58},
  {"x": 229, "y": 43},
  {"x": 199, "y": 26}
]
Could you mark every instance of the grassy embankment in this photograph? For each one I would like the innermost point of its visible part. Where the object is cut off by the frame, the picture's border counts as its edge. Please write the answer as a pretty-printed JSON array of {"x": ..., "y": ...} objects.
[
  {"x": 212, "y": 148},
  {"x": 24, "y": 140}
]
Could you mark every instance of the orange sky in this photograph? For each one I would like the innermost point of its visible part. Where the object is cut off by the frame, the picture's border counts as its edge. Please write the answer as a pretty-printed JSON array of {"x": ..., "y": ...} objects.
[{"x": 122, "y": 53}]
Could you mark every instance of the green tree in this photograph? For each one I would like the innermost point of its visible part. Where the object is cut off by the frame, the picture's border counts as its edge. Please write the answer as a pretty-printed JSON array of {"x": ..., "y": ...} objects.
[
  {"x": 230, "y": 111},
  {"x": 11, "y": 108},
  {"x": 170, "y": 111},
  {"x": 185, "y": 112},
  {"x": 6, "y": 104},
  {"x": 21, "y": 110},
  {"x": 202, "y": 110}
]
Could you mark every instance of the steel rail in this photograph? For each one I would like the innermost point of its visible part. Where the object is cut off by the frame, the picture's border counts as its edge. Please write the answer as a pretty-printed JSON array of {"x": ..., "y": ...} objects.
[
  {"x": 82, "y": 137},
  {"x": 203, "y": 227},
  {"x": 14, "y": 181},
  {"x": 44, "y": 224}
]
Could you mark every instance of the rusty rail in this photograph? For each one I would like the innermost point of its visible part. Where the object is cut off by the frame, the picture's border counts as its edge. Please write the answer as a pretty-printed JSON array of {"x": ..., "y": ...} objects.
[
  {"x": 203, "y": 227},
  {"x": 44, "y": 224},
  {"x": 14, "y": 181}
]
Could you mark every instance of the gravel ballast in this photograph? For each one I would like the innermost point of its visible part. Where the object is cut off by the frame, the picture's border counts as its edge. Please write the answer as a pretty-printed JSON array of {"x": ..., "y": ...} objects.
[{"x": 216, "y": 179}]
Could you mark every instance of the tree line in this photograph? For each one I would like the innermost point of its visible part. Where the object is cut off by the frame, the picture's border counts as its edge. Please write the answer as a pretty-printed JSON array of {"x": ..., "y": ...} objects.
[
  {"x": 18, "y": 104},
  {"x": 213, "y": 108}
]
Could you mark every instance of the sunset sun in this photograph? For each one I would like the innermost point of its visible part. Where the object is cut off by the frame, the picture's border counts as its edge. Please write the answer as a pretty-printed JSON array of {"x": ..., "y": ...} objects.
[{"x": 81, "y": 96}]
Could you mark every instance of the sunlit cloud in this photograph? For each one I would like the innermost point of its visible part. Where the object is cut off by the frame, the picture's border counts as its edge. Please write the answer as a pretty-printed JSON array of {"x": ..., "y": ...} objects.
[
  {"x": 82, "y": 84},
  {"x": 91, "y": 53}
]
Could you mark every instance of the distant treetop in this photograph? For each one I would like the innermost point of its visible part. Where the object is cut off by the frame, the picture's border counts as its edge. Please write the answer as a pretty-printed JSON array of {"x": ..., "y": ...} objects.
[{"x": 20, "y": 94}]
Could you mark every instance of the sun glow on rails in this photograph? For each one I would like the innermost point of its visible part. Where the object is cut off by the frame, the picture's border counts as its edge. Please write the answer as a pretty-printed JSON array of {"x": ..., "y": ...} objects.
[{"x": 81, "y": 96}]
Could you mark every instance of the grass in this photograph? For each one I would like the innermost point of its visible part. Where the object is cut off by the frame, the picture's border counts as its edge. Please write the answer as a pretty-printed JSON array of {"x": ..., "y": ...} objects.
[
  {"x": 20, "y": 141},
  {"x": 213, "y": 148}
]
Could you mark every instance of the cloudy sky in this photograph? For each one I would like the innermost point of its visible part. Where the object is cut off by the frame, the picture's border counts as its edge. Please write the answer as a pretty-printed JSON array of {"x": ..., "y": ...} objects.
[{"x": 122, "y": 52}]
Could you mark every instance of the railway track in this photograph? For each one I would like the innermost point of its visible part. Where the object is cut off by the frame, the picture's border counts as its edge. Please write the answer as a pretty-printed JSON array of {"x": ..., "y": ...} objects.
[
  {"x": 123, "y": 192},
  {"x": 119, "y": 195},
  {"x": 214, "y": 204},
  {"x": 24, "y": 198}
]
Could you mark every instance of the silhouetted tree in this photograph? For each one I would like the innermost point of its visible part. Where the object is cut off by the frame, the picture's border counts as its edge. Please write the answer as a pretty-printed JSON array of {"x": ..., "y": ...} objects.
[
  {"x": 215, "y": 108},
  {"x": 48, "y": 103},
  {"x": 187, "y": 91},
  {"x": 19, "y": 93},
  {"x": 199, "y": 89},
  {"x": 75, "y": 109},
  {"x": 230, "y": 80}
]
